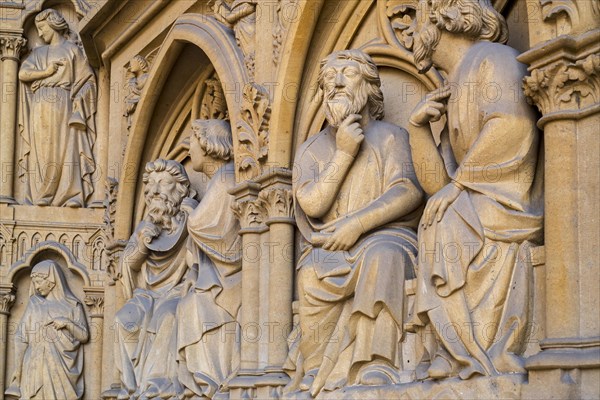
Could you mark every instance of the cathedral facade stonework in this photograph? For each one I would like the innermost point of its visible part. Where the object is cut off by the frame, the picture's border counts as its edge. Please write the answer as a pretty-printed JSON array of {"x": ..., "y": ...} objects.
[{"x": 296, "y": 199}]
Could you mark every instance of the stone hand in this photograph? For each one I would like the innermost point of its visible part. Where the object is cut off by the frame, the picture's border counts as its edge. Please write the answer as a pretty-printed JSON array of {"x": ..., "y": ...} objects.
[
  {"x": 344, "y": 234},
  {"x": 59, "y": 323},
  {"x": 148, "y": 233},
  {"x": 438, "y": 203},
  {"x": 53, "y": 67},
  {"x": 431, "y": 108},
  {"x": 349, "y": 135}
]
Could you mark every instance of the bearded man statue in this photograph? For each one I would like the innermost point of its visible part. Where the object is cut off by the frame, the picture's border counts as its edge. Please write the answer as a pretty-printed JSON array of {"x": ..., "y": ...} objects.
[
  {"x": 485, "y": 208},
  {"x": 153, "y": 268},
  {"x": 357, "y": 205}
]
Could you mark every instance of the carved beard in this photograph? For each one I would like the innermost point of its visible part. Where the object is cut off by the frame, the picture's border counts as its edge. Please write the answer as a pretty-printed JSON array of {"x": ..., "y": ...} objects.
[
  {"x": 425, "y": 43},
  {"x": 337, "y": 109},
  {"x": 161, "y": 210}
]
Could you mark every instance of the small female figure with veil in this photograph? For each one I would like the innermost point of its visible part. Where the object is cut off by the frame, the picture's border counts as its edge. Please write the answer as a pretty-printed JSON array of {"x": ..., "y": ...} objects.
[{"x": 48, "y": 352}]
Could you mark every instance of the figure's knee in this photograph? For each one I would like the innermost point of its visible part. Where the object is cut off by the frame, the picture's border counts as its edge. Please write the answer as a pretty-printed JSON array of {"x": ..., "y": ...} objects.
[{"x": 129, "y": 317}]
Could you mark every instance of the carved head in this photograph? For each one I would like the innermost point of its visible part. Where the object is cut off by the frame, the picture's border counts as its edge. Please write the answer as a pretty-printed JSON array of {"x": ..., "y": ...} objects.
[
  {"x": 138, "y": 64},
  {"x": 349, "y": 82},
  {"x": 48, "y": 280},
  {"x": 166, "y": 185},
  {"x": 476, "y": 19},
  {"x": 49, "y": 22},
  {"x": 210, "y": 140}
]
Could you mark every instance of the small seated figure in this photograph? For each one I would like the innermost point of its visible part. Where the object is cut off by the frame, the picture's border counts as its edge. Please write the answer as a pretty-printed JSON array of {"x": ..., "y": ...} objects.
[
  {"x": 48, "y": 352},
  {"x": 153, "y": 267},
  {"x": 357, "y": 203},
  {"x": 208, "y": 335}
]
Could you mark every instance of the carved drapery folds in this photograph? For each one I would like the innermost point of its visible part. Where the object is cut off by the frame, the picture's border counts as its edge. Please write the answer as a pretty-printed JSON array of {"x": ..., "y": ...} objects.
[{"x": 253, "y": 130}]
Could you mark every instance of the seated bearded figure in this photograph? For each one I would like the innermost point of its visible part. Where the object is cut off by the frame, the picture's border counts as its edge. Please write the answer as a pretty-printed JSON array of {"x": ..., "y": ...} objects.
[
  {"x": 208, "y": 335},
  {"x": 152, "y": 269},
  {"x": 356, "y": 206}
]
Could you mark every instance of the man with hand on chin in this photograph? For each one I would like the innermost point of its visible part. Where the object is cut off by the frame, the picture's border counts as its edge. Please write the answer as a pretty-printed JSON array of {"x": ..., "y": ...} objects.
[{"x": 357, "y": 204}]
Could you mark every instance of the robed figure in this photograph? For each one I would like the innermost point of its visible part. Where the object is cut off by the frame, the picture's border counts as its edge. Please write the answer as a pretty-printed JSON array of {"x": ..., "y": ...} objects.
[
  {"x": 48, "y": 351},
  {"x": 485, "y": 210},
  {"x": 357, "y": 204},
  {"x": 208, "y": 334},
  {"x": 153, "y": 267},
  {"x": 57, "y": 118}
]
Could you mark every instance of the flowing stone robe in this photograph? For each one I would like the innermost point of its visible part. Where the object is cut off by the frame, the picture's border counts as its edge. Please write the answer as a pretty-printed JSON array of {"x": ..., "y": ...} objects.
[
  {"x": 474, "y": 270},
  {"x": 208, "y": 334},
  {"x": 57, "y": 127},
  {"x": 146, "y": 328},
  {"x": 352, "y": 302},
  {"x": 53, "y": 363}
]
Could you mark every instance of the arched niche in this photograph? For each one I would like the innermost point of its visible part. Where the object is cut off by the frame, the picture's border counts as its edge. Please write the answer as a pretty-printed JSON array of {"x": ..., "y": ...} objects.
[
  {"x": 363, "y": 25},
  {"x": 195, "y": 46},
  {"x": 19, "y": 276}
]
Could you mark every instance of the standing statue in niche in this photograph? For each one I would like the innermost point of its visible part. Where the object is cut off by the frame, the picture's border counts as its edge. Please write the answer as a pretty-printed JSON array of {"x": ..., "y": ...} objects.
[
  {"x": 208, "y": 335},
  {"x": 357, "y": 205},
  {"x": 57, "y": 118},
  {"x": 48, "y": 352},
  {"x": 138, "y": 71},
  {"x": 153, "y": 267},
  {"x": 241, "y": 15},
  {"x": 485, "y": 208}
]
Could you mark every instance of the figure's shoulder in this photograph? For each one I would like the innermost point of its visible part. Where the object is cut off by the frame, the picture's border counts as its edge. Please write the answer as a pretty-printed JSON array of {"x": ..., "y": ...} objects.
[
  {"x": 384, "y": 130},
  {"x": 308, "y": 143},
  {"x": 499, "y": 57}
]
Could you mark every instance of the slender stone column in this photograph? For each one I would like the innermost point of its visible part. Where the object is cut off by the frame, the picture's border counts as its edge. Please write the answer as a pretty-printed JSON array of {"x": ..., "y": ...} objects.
[
  {"x": 251, "y": 216},
  {"x": 11, "y": 44},
  {"x": 94, "y": 300},
  {"x": 565, "y": 85},
  {"x": 276, "y": 198},
  {"x": 101, "y": 147},
  {"x": 7, "y": 299}
]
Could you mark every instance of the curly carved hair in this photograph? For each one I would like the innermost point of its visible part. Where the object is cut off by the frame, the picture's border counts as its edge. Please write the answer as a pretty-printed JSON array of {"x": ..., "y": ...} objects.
[
  {"x": 476, "y": 18},
  {"x": 369, "y": 72},
  {"x": 215, "y": 137}
]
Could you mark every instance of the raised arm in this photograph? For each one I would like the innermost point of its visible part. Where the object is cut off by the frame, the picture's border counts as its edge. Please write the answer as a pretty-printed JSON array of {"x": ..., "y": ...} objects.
[{"x": 316, "y": 196}]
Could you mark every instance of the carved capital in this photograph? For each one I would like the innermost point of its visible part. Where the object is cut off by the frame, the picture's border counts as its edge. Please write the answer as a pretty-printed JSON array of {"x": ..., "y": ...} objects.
[
  {"x": 278, "y": 204},
  {"x": 11, "y": 46},
  {"x": 565, "y": 85},
  {"x": 7, "y": 299},
  {"x": 95, "y": 304},
  {"x": 253, "y": 129},
  {"x": 564, "y": 79},
  {"x": 251, "y": 214}
]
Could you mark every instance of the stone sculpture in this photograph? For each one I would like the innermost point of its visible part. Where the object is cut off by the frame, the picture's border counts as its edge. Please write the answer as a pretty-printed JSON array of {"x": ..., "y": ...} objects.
[
  {"x": 208, "y": 336},
  {"x": 356, "y": 205},
  {"x": 48, "y": 352},
  {"x": 57, "y": 118},
  {"x": 241, "y": 15},
  {"x": 485, "y": 208},
  {"x": 138, "y": 71},
  {"x": 153, "y": 267}
]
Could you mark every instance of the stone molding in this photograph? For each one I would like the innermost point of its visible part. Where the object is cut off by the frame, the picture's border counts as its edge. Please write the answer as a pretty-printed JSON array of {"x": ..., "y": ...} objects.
[
  {"x": 578, "y": 16},
  {"x": 11, "y": 46},
  {"x": 564, "y": 81}
]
